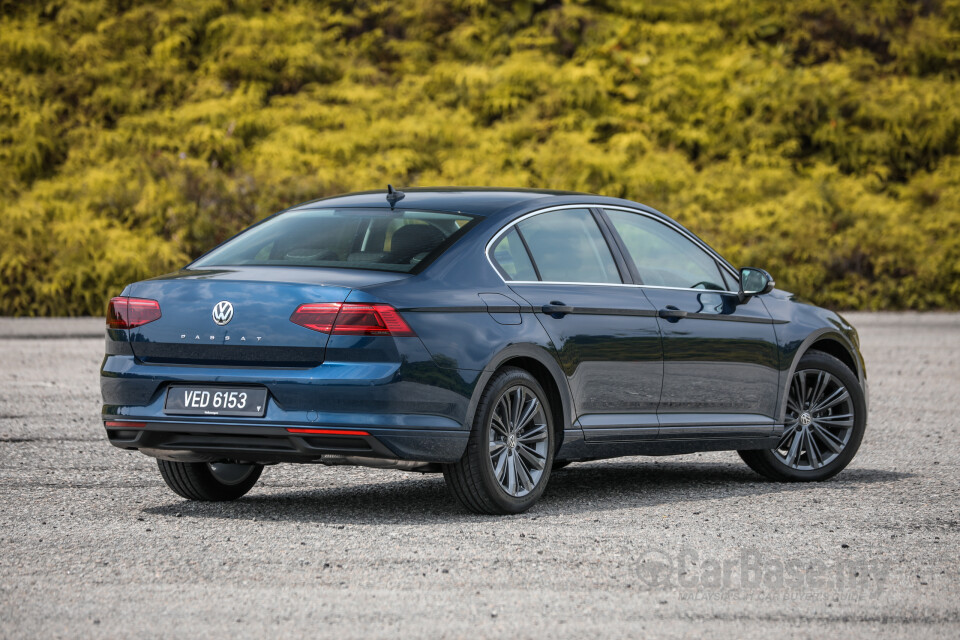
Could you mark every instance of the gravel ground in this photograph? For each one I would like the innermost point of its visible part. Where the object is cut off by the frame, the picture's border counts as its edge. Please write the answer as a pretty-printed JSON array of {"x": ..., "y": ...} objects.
[{"x": 94, "y": 544}]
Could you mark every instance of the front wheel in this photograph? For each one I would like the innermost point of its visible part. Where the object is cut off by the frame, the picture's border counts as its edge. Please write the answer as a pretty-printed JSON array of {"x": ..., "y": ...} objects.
[
  {"x": 510, "y": 452},
  {"x": 209, "y": 481},
  {"x": 825, "y": 420}
]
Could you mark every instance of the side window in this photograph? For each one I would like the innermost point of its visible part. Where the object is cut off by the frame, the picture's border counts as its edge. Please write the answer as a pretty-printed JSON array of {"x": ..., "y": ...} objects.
[
  {"x": 567, "y": 246},
  {"x": 664, "y": 257},
  {"x": 512, "y": 258}
]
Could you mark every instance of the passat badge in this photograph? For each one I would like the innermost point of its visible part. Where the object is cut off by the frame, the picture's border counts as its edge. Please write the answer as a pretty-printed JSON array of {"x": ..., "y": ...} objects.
[{"x": 222, "y": 312}]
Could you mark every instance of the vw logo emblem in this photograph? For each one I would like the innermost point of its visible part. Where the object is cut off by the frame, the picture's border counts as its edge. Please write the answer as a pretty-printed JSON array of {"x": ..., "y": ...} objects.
[{"x": 222, "y": 312}]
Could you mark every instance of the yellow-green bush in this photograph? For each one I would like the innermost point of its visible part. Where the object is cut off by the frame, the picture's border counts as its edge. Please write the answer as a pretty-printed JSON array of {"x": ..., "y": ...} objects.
[{"x": 817, "y": 138}]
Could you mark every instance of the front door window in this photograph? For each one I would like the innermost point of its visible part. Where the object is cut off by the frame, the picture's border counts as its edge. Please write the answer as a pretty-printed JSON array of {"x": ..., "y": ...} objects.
[{"x": 663, "y": 257}]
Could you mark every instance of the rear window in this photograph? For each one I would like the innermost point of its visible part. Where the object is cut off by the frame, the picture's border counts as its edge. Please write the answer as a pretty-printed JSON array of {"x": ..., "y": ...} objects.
[{"x": 347, "y": 238}]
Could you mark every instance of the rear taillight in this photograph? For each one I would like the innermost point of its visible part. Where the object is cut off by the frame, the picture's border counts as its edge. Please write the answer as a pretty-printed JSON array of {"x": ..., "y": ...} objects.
[
  {"x": 348, "y": 318},
  {"x": 127, "y": 313},
  {"x": 319, "y": 317},
  {"x": 371, "y": 320}
]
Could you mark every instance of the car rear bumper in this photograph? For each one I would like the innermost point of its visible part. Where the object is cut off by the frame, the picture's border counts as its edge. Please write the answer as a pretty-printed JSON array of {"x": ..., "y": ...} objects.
[
  {"x": 405, "y": 411},
  {"x": 281, "y": 443}
]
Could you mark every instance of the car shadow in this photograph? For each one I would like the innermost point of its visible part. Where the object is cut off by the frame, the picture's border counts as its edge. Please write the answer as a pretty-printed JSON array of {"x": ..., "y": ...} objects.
[{"x": 585, "y": 489}]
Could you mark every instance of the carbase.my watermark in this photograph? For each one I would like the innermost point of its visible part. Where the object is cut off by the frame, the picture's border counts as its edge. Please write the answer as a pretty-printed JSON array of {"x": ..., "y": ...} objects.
[{"x": 751, "y": 571}]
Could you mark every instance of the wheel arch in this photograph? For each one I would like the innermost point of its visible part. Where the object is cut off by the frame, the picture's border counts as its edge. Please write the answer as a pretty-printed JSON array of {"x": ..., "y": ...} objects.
[
  {"x": 832, "y": 343},
  {"x": 832, "y": 346},
  {"x": 541, "y": 365}
]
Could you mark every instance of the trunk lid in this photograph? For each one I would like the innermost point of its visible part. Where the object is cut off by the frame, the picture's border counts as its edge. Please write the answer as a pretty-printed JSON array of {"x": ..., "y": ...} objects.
[{"x": 252, "y": 306}]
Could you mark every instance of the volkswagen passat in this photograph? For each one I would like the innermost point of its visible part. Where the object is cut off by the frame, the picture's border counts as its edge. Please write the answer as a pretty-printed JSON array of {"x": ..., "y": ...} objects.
[{"x": 491, "y": 335}]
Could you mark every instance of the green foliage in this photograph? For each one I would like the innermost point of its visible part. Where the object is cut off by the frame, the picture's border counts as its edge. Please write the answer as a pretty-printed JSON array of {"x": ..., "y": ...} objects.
[{"x": 817, "y": 138}]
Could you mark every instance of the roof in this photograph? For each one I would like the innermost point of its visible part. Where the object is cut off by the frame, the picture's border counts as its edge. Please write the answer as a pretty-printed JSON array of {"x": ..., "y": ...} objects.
[{"x": 474, "y": 200}]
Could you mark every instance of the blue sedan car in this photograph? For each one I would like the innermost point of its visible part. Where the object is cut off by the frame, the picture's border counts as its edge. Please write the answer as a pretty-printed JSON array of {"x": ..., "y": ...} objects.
[{"x": 493, "y": 335}]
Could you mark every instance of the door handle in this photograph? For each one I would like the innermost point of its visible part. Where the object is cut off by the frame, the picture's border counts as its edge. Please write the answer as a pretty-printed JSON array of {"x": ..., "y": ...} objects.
[
  {"x": 672, "y": 313},
  {"x": 557, "y": 309}
]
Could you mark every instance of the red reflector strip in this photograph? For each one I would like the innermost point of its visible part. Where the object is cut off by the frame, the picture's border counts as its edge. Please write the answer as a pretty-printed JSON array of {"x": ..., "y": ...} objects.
[
  {"x": 329, "y": 432},
  {"x": 124, "y": 424}
]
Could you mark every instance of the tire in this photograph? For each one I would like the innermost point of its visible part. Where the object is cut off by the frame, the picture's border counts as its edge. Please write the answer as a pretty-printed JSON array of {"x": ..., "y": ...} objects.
[
  {"x": 211, "y": 482},
  {"x": 524, "y": 461},
  {"x": 828, "y": 429}
]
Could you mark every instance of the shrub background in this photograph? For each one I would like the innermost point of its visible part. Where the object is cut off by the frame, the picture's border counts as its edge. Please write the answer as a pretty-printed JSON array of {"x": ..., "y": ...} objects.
[{"x": 817, "y": 138}]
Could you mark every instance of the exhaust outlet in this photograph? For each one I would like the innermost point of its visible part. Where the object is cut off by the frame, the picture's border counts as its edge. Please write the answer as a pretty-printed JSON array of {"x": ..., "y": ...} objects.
[
  {"x": 176, "y": 455},
  {"x": 376, "y": 463}
]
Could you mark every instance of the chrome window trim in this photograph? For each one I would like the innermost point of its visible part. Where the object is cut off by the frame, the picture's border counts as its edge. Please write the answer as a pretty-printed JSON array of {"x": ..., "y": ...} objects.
[
  {"x": 670, "y": 223},
  {"x": 621, "y": 284}
]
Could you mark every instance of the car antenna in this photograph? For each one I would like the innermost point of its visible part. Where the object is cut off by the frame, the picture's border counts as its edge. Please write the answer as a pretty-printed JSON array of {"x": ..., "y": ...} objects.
[{"x": 394, "y": 196}]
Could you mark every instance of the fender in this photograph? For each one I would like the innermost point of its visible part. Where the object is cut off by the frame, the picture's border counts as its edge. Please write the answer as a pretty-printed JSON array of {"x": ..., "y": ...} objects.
[
  {"x": 803, "y": 348},
  {"x": 534, "y": 352}
]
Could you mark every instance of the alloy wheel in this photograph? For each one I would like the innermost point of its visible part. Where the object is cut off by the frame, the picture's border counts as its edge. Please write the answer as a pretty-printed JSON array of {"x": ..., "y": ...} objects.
[
  {"x": 518, "y": 441},
  {"x": 820, "y": 420}
]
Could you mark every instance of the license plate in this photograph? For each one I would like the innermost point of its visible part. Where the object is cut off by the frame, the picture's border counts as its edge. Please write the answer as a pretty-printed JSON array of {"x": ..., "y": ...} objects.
[{"x": 216, "y": 401}]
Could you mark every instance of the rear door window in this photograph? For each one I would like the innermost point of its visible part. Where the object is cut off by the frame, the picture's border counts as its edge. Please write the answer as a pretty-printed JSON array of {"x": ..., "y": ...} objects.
[
  {"x": 345, "y": 238},
  {"x": 567, "y": 246},
  {"x": 512, "y": 259}
]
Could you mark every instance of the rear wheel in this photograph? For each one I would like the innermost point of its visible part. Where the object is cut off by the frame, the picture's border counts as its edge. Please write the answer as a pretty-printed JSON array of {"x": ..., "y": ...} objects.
[
  {"x": 510, "y": 452},
  {"x": 825, "y": 420},
  {"x": 209, "y": 481}
]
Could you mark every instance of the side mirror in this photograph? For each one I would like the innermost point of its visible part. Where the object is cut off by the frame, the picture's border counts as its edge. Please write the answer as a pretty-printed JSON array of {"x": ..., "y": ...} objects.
[{"x": 754, "y": 282}]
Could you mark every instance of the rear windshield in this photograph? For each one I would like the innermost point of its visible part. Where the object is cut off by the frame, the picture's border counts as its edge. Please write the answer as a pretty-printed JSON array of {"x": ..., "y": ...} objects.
[{"x": 348, "y": 238}]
